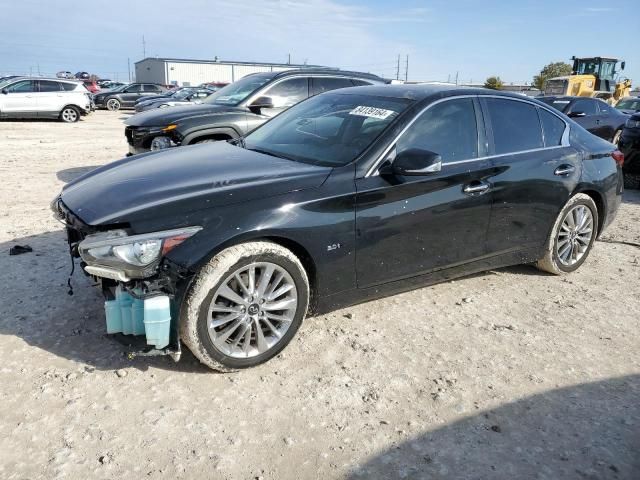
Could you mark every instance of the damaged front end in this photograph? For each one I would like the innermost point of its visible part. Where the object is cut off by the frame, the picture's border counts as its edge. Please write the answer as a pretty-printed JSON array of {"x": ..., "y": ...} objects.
[{"x": 140, "y": 285}]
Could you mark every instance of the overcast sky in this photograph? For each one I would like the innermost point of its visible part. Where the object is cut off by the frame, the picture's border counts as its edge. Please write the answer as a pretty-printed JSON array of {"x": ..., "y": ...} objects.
[{"x": 477, "y": 39}]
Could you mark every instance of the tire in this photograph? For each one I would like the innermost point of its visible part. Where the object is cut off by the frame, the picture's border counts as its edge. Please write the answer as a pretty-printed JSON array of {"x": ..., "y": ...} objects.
[
  {"x": 70, "y": 114},
  {"x": 563, "y": 236},
  {"x": 616, "y": 137},
  {"x": 113, "y": 104},
  {"x": 631, "y": 181},
  {"x": 205, "y": 305}
]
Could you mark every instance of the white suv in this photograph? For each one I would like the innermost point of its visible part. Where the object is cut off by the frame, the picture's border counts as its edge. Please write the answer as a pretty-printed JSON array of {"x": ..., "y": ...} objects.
[{"x": 44, "y": 98}]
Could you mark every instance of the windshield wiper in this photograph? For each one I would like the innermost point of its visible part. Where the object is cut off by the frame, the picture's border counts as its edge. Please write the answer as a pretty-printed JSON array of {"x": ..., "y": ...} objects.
[{"x": 267, "y": 152}]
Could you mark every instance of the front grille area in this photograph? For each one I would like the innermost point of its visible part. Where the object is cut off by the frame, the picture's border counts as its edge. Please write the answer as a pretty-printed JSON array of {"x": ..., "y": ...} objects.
[{"x": 135, "y": 135}]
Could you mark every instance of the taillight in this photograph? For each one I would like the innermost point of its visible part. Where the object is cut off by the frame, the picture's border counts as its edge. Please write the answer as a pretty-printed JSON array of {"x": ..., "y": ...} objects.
[{"x": 618, "y": 156}]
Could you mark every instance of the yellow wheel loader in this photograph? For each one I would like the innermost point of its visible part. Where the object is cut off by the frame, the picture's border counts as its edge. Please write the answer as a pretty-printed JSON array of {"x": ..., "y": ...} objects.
[{"x": 592, "y": 77}]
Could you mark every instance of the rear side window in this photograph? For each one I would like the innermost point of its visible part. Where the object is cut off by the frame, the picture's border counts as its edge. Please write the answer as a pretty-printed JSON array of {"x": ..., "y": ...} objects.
[
  {"x": 152, "y": 88},
  {"x": 588, "y": 107},
  {"x": 515, "y": 124},
  {"x": 448, "y": 129},
  {"x": 552, "y": 127},
  {"x": 69, "y": 87},
  {"x": 49, "y": 86},
  {"x": 134, "y": 89},
  {"x": 320, "y": 85}
]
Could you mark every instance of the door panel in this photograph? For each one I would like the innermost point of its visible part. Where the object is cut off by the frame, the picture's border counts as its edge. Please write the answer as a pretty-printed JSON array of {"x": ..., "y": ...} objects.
[
  {"x": 527, "y": 196},
  {"x": 415, "y": 225},
  {"x": 20, "y": 99},
  {"x": 50, "y": 97}
]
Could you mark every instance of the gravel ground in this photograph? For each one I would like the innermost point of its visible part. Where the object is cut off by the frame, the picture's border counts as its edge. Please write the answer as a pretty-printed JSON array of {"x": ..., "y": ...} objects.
[{"x": 505, "y": 375}]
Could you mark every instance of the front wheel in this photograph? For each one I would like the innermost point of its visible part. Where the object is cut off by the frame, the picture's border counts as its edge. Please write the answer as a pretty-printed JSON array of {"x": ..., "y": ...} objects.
[
  {"x": 70, "y": 115},
  {"x": 113, "y": 104},
  {"x": 245, "y": 306},
  {"x": 572, "y": 236}
]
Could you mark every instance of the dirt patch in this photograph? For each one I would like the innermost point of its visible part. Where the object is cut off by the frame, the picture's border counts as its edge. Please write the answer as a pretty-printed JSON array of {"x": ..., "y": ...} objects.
[{"x": 508, "y": 374}]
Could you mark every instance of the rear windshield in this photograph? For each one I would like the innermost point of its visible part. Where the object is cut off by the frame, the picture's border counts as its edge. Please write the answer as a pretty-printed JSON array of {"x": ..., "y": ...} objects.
[{"x": 629, "y": 104}]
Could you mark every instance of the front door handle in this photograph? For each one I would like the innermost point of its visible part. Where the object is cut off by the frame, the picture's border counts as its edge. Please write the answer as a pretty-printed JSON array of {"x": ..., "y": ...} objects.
[
  {"x": 476, "y": 188},
  {"x": 563, "y": 170}
]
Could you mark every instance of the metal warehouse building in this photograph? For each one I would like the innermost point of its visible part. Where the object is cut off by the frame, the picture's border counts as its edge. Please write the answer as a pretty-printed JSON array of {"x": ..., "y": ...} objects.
[{"x": 185, "y": 72}]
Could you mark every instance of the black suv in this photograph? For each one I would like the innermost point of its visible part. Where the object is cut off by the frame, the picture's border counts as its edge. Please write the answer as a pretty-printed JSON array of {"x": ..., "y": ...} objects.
[
  {"x": 236, "y": 109},
  {"x": 126, "y": 95},
  {"x": 593, "y": 114},
  {"x": 630, "y": 146}
]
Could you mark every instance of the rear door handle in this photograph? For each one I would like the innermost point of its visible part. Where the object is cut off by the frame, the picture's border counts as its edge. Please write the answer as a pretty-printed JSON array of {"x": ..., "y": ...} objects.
[
  {"x": 476, "y": 188},
  {"x": 563, "y": 170}
]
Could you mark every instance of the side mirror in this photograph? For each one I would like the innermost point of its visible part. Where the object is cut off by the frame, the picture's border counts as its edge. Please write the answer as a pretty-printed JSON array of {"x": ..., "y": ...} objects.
[
  {"x": 577, "y": 114},
  {"x": 5, "y": 91},
  {"x": 262, "y": 102},
  {"x": 622, "y": 65},
  {"x": 413, "y": 162}
]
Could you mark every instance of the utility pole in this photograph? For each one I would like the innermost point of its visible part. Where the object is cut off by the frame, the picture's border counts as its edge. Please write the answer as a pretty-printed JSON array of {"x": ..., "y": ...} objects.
[
  {"x": 457, "y": 78},
  {"x": 144, "y": 48},
  {"x": 129, "y": 68},
  {"x": 406, "y": 69},
  {"x": 398, "y": 69},
  {"x": 289, "y": 59}
]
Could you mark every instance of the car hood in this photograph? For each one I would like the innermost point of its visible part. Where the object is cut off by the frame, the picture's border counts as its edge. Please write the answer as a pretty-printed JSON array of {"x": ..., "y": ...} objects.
[
  {"x": 627, "y": 111},
  {"x": 161, "y": 117},
  {"x": 183, "y": 180}
]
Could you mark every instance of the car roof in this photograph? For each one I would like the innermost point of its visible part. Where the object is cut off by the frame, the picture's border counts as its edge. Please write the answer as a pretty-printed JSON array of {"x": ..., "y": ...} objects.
[
  {"x": 329, "y": 71},
  {"x": 55, "y": 79},
  {"x": 419, "y": 92}
]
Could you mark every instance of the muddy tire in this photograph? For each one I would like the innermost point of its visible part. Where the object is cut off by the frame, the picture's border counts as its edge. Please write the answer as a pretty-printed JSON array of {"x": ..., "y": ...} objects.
[
  {"x": 245, "y": 306},
  {"x": 572, "y": 236}
]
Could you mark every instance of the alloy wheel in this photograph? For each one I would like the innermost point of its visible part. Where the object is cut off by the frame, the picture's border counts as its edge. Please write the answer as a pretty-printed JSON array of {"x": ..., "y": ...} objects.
[
  {"x": 113, "y": 105},
  {"x": 252, "y": 309},
  {"x": 574, "y": 235},
  {"x": 69, "y": 115}
]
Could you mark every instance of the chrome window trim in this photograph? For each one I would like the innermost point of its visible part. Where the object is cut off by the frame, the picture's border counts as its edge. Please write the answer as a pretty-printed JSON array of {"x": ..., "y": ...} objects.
[{"x": 373, "y": 170}]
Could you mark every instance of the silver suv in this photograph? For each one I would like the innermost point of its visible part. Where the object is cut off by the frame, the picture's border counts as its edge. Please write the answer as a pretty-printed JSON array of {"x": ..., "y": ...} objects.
[{"x": 24, "y": 97}]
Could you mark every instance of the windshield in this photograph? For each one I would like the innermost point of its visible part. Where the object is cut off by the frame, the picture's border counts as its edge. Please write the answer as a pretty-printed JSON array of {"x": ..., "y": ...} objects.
[
  {"x": 558, "y": 104},
  {"x": 236, "y": 92},
  {"x": 629, "y": 104},
  {"x": 328, "y": 130},
  {"x": 5, "y": 82},
  {"x": 182, "y": 93}
]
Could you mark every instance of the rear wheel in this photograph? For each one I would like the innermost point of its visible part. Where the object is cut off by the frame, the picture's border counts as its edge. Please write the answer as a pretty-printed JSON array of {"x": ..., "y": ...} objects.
[
  {"x": 70, "y": 115},
  {"x": 113, "y": 104},
  {"x": 572, "y": 236},
  {"x": 245, "y": 306}
]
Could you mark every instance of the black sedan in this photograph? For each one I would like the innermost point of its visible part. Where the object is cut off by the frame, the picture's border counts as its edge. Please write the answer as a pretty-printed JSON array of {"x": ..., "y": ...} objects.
[
  {"x": 593, "y": 114},
  {"x": 630, "y": 147},
  {"x": 347, "y": 196},
  {"x": 126, "y": 96}
]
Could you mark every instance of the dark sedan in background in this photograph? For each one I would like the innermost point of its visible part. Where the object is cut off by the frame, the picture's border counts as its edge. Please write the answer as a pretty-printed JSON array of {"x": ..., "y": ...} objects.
[
  {"x": 593, "y": 114},
  {"x": 347, "y": 196},
  {"x": 180, "y": 97},
  {"x": 126, "y": 96},
  {"x": 236, "y": 109}
]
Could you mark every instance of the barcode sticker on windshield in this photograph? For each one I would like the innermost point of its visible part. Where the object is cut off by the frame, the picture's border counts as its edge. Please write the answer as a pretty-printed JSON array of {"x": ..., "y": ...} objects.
[{"x": 374, "y": 112}]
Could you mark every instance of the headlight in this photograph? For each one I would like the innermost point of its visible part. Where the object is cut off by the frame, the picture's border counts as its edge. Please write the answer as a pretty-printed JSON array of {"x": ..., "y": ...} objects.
[
  {"x": 158, "y": 143},
  {"x": 135, "y": 256},
  {"x": 632, "y": 123}
]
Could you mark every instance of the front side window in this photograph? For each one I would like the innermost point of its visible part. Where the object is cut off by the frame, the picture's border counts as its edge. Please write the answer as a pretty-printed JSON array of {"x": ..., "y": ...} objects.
[
  {"x": 329, "y": 130},
  {"x": 588, "y": 107},
  {"x": 134, "y": 89},
  {"x": 515, "y": 124},
  {"x": 288, "y": 92},
  {"x": 553, "y": 128},
  {"x": 25, "y": 86},
  {"x": 448, "y": 129},
  {"x": 49, "y": 86}
]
